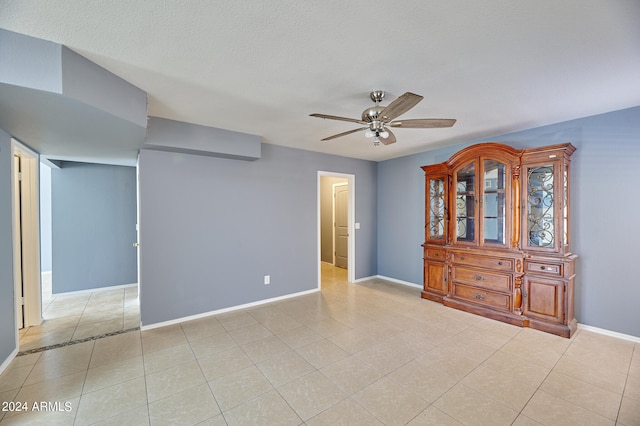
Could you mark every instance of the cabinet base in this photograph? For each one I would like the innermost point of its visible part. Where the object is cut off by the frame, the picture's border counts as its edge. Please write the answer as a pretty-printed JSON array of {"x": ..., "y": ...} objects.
[
  {"x": 561, "y": 330},
  {"x": 430, "y": 296},
  {"x": 507, "y": 317}
]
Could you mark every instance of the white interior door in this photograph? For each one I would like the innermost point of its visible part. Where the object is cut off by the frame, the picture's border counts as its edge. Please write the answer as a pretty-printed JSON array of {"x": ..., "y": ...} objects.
[
  {"x": 341, "y": 224},
  {"x": 17, "y": 243}
]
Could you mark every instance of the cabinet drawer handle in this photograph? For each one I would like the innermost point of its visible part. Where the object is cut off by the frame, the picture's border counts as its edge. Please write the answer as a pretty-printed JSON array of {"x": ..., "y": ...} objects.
[
  {"x": 461, "y": 257},
  {"x": 500, "y": 263},
  {"x": 478, "y": 278},
  {"x": 479, "y": 296},
  {"x": 436, "y": 255},
  {"x": 543, "y": 267}
]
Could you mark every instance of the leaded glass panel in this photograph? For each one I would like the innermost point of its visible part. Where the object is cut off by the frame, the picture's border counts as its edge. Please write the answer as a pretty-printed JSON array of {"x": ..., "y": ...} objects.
[
  {"x": 540, "y": 200},
  {"x": 436, "y": 209}
]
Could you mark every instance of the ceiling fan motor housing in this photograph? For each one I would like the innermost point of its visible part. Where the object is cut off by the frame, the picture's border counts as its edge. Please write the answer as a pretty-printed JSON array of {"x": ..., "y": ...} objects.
[{"x": 372, "y": 116}]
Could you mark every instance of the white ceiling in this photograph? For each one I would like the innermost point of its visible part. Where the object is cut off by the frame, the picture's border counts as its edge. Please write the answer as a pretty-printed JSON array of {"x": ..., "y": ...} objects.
[{"x": 261, "y": 67}]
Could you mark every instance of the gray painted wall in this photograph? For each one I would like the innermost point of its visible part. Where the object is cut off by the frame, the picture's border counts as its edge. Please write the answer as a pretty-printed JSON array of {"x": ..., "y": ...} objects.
[
  {"x": 187, "y": 138},
  {"x": 45, "y": 217},
  {"x": 30, "y": 62},
  {"x": 604, "y": 226},
  {"x": 93, "y": 226},
  {"x": 93, "y": 85},
  {"x": 78, "y": 111},
  {"x": 211, "y": 228},
  {"x": 7, "y": 309}
]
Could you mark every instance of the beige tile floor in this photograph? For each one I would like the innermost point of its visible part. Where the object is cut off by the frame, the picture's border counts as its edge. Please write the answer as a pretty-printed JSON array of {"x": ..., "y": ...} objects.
[
  {"x": 354, "y": 354},
  {"x": 78, "y": 316}
]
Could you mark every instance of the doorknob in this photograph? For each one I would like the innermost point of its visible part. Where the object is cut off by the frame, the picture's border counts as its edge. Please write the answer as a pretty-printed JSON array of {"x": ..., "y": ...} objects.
[{"x": 136, "y": 244}]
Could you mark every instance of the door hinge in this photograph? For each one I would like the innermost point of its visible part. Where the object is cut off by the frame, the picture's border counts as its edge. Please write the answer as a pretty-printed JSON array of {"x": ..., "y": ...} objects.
[
  {"x": 22, "y": 301},
  {"x": 20, "y": 176}
]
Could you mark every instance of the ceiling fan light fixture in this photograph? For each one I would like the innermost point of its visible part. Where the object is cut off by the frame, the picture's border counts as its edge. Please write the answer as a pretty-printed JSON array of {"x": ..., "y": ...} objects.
[
  {"x": 384, "y": 134},
  {"x": 369, "y": 134}
]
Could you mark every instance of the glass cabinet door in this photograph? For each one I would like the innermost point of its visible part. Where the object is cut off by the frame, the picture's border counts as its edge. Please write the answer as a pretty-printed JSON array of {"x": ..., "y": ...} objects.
[
  {"x": 436, "y": 205},
  {"x": 465, "y": 203},
  {"x": 540, "y": 198},
  {"x": 493, "y": 210}
]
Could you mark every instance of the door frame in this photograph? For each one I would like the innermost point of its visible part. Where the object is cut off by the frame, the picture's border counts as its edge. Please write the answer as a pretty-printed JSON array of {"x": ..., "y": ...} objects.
[
  {"x": 29, "y": 252},
  {"x": 351, "y": 243}
]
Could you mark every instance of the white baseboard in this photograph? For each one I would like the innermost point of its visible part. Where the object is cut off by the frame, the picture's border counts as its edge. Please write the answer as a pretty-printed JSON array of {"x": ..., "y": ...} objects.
[
  {"x": 359, "y": 280},
  {"x": 393, "y": 280},
  {"x": 603, "y": 331},
  {"x": 609, "y": 333},
  {"x": 98, "y": 289},
  {"x": 230, "y": 309},
  {"x": 7, "y": 361}
]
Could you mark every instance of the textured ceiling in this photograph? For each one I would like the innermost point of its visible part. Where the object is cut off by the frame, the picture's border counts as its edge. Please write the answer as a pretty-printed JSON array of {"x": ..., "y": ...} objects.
[{"x": 262, "y": 67}]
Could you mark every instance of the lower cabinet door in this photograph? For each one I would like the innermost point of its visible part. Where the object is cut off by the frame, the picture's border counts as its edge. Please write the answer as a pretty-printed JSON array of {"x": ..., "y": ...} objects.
[
  {"x": 544, "y": 299},
  {"x": 435, "y": 278}
]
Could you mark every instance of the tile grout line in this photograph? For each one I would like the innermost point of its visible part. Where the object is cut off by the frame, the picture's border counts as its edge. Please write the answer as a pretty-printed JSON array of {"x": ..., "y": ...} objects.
[
  {"x": 626, "y": 381},
  {"x": 75, "y": 342}
]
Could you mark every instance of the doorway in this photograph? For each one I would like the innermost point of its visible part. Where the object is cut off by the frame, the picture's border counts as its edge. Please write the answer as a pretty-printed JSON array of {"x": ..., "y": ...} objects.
[
  {"x": 336, "y": 238},
  {"x": 26, "y": 236},
  {"x": 104, "y": 302}
]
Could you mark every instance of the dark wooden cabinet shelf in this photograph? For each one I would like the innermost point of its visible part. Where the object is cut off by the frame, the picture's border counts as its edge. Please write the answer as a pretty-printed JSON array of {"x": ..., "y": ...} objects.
[{"x": 497, "y": 235}]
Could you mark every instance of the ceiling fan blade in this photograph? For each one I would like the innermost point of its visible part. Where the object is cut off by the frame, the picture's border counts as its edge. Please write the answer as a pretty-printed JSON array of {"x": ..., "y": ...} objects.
[
  {"x": 423, "y": 123},
  {"x": 335, "y": 117},
  {"x": 344, "y": 133},
  {"x": 401, "y": 105},
  {"x": 389, "y": 139}
]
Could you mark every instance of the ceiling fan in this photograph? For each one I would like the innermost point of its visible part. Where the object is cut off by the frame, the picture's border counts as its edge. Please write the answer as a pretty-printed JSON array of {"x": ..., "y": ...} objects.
[{"x": 378, "y": 120}]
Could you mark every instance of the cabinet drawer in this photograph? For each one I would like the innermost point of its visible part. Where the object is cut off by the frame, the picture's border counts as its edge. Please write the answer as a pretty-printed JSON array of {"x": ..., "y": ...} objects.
[
  {"x": 490, "y": 262},
  {"x": 552, "y": 269},
  {"x": 482, "y": 297},
  {"x": 487, "y": 280},
  {"x": 435, "y": 254}
]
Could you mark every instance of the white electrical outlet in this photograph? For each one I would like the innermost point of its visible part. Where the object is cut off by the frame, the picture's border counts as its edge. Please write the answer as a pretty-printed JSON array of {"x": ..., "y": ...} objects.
[{"x": 267, "y": 279}]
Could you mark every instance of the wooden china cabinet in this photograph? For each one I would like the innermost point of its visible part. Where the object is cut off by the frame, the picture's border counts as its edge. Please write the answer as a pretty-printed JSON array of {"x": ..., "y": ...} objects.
[{"x": 497, "y": 235}]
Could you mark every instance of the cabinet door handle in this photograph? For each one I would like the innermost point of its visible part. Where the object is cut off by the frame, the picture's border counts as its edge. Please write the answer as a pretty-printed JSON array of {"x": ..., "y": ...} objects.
[{"x": 479, "y": 278}]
